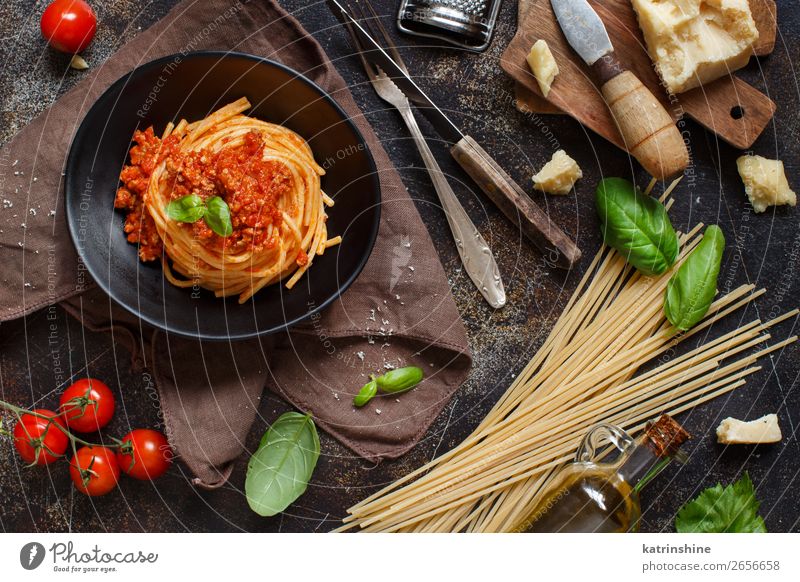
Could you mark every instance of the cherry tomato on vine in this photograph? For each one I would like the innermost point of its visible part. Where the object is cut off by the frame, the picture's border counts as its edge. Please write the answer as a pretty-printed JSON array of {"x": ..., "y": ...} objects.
[
  {"x": 69, "y": 25},
  {"x": 144, "y": 454},
  {"x": 94, "y": 470},
  {"x": 87, "y": 405},
  {"x": 37, "y": 440}
]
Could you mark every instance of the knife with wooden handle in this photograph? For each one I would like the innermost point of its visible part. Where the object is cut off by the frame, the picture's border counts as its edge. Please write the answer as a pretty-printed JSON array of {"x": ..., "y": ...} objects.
[
  {"x": 508, "y": 196},
  {"x": 647, "y": 129},
  {"x": 512, "y": 201}
]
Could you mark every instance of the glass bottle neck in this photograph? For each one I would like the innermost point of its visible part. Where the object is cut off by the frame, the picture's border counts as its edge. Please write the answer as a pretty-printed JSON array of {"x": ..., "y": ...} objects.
[{"x": 641, "y": 464}]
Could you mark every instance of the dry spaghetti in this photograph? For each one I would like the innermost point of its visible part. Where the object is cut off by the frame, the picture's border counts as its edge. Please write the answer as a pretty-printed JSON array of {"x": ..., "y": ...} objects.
[
  {"x": 267, "y": 176},
  {"x": 582, "y": 374}
]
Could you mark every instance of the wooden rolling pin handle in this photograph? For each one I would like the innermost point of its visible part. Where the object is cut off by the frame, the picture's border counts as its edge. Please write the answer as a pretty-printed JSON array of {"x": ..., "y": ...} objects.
[
  {"x": 512, "y": 200},
  {"x": 647, "y": 129}
]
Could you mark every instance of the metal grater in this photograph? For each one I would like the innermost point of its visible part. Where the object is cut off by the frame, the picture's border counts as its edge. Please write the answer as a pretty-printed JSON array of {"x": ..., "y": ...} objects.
[{"x": 465, "y": 23}]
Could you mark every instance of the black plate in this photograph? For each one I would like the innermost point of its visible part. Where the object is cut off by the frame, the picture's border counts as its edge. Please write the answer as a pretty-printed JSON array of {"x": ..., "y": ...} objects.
[{"x": 192, "y": 86}]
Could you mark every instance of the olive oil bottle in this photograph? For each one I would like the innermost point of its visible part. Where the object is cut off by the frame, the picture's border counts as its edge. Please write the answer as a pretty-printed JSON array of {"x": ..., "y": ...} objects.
[{"x": 593, "y": 496}]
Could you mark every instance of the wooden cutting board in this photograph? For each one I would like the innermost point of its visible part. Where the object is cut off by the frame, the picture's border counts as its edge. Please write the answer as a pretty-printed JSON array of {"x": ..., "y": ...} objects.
[{"x": 729, "y": 107}]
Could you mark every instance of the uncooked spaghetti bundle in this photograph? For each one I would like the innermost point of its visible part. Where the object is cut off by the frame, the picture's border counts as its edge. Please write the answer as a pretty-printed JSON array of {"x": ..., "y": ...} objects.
[{"x": 584, "y": 373}]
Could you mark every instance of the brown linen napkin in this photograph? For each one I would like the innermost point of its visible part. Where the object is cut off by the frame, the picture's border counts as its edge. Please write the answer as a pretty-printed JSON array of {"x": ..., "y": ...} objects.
[{"x": 398, "y": 312}]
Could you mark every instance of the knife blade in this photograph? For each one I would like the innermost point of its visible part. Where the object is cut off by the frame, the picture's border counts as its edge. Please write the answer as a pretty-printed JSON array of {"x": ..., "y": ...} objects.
[
  {"x": 584, "y": 30},
  {"x": 647, "y": 130},
  {"x": 506, "y": 194}
]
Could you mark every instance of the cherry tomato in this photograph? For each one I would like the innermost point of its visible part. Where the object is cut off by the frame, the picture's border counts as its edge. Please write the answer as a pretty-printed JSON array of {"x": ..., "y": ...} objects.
[
  {"x": 37, "y": 440},
  {"x": 69, "y": 25},
  {"x": 87, "y": 405},
  {"x": 144, "y": 454},
  {"x": 94, "y": 470}
]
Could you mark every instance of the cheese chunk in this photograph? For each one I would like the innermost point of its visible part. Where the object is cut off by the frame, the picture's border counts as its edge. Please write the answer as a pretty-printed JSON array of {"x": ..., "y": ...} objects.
[
  {"x": 765, "y": 182},
  {"x": 693, "y": 42},
  {"x": 543, "y": 65},
  {"x": 759, "y": 431},
  {"x": 558, "y": 175}
]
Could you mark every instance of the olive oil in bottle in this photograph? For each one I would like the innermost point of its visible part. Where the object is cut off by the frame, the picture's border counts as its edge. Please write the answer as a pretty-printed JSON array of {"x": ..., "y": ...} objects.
[{"x": 588, "y": 496}]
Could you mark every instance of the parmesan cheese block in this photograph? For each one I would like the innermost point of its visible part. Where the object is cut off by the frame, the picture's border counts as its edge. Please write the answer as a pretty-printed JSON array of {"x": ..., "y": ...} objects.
[
  {"x": 543, "y": 65},
  {"x": 759, "y": 431},
  {"x": 558, "y": 175},
  {"x": 765, "y": 182},
  {"x": 693, "y": 42}
]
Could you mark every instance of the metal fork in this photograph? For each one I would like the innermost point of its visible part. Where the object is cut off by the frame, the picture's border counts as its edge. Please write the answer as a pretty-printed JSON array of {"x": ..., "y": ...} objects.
[{"x": 476, "y": 256}]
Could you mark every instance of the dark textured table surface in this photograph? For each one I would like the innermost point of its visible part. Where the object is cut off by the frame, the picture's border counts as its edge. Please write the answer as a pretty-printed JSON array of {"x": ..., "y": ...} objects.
[{"x": 763, "y": 249}]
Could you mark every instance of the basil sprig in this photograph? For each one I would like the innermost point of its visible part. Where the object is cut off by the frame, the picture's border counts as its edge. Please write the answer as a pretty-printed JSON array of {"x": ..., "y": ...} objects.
[
  {"x": 393, "y": 382},
  {"x": 692, "y": 288},
  {"x": 191, "y": 208},
  {"x": 731, "y": 509},
  {"x": 279, "y": 471},
  {"x": 636, "y": 225}
]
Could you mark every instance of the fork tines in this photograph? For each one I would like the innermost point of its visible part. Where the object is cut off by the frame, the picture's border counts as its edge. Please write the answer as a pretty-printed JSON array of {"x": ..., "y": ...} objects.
[{"x": 371, "y": 22}]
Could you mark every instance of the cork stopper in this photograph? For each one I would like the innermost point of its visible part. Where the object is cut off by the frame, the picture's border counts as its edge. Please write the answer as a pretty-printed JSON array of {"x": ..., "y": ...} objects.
[{"x": 665, "y": 436}]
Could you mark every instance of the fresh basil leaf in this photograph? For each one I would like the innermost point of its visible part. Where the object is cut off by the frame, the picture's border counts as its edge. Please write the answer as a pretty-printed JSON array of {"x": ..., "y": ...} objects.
[
  {"x": 279, "y": 471},
  {"x": 692, "y": 288},
  {"x": 637, "y": 226},
  {"x": 400, "y": 379},
  {"x": 189, "y": 208},
  {"x": 218, "y": 216},
  {"x": 367, "y": 393},
  {"x": 731, "y": 509}
]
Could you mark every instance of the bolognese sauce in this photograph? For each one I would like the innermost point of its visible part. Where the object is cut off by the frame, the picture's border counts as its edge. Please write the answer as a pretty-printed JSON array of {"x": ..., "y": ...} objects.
[
  {"x": 239, "y": 174},
  {"x": 135, "y": 178}
]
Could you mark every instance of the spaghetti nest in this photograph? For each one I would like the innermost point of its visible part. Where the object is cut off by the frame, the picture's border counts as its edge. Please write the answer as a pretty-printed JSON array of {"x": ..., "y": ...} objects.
[{"x": 264, "y": 178}]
